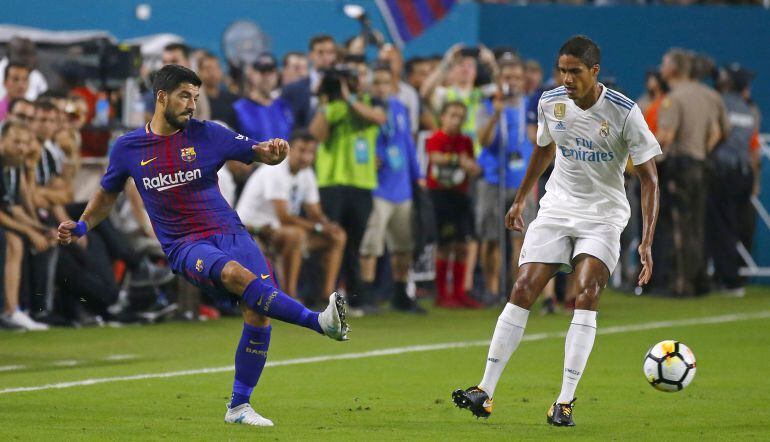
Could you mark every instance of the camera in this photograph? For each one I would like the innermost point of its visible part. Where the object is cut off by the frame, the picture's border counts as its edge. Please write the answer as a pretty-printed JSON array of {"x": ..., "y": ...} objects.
[{"x": 331, "y": 83}]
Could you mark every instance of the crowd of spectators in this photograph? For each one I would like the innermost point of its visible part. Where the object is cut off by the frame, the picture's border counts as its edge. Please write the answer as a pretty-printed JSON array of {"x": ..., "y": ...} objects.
[{"x": 392, "y": 161}]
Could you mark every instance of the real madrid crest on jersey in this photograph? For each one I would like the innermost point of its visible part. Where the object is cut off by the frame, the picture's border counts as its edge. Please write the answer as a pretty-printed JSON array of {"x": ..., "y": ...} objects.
[
  {"x": 604, "y": 130},
  {"x": 559, "y": 110},
  {"x": 188, "y": 154}
]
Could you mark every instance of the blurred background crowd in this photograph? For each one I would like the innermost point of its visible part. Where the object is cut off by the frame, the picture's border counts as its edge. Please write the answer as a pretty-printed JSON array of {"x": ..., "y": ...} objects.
[{"x": 400, "y": 173}]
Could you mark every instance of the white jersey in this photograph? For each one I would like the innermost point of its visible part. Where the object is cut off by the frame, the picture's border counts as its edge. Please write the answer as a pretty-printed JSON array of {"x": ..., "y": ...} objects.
[{"x": 592, "y": 149}]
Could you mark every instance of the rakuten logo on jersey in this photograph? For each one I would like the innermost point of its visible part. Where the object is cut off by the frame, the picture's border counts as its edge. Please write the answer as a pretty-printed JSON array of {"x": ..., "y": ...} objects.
[{"x": 165, "y": 181}]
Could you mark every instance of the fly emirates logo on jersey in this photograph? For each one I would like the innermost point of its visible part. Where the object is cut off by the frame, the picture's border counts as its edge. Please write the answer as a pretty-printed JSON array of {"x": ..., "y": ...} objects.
[
  {"x": 584, "y": 151},
  {"x": 165, "y": 181}
]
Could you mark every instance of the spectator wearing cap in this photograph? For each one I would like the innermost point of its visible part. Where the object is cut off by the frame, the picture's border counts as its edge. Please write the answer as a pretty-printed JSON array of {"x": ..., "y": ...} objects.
[
  {"x": 731, "y": 183},
  {"x": 258, "y": 115},
  {"x": 220, "y": 99},
  {"x": 690, "y": 124},
  {"x": 15, "y": 82},
  {"x": 23, "y": 51},
  {"x": 301, "y": 94}
]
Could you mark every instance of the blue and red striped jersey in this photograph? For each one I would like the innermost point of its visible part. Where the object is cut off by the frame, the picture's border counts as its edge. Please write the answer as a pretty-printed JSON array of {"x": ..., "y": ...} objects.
[{"x": 176, "y": 176}]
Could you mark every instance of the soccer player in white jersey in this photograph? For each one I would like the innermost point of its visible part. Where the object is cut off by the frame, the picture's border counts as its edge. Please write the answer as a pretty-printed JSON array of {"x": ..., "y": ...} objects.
[{"x": 591, "y": 130}]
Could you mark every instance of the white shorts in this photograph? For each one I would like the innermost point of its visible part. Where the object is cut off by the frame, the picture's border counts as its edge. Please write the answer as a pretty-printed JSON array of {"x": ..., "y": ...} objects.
[{"x": 559, "y": 240}]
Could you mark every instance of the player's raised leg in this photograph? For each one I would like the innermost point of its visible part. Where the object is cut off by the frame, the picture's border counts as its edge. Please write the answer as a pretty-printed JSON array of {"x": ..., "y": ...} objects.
[
  {"x": 591, "y": 276},
  {"x": 269, "y": 301},
  {"x": 509, "y": 330}
]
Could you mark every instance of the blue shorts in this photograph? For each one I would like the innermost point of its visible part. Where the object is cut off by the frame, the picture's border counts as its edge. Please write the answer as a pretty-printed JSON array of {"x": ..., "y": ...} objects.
[{"x": 201, "y": 262}]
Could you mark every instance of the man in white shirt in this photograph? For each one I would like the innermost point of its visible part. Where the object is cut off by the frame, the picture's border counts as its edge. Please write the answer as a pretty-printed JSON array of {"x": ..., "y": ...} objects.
[
  {"x": 591, "y": 130},
  {"x": 280, "y": 205},
  {"x": 23, "y": 50}
]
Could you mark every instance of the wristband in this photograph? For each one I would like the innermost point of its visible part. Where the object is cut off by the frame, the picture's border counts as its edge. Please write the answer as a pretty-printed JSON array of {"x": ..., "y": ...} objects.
[{"x": 80, "y": 229}]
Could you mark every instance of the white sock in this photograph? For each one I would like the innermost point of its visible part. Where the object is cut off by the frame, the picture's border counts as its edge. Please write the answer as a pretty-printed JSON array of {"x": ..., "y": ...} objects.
[
  {"x": 508, "y": 332},
  {"x": 577, "y": 348}
]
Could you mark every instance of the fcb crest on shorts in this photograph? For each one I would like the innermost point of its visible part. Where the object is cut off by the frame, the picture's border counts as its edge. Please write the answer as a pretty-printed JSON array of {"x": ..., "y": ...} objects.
[
  {"x": 559, "y": 110},
  {"x": 188, "y": 154},
  {"x": 604, "y": 130}
]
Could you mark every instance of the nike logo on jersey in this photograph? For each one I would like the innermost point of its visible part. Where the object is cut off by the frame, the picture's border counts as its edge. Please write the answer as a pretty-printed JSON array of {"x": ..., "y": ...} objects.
[
  {"x": 264, "y": 276},
  {"x": 146, "y": 162},
  {"x": 255, "y": 342}
]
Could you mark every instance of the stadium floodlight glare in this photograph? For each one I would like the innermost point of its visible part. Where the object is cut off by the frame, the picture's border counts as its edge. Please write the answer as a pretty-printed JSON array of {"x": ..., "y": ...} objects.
[{"x": 355, "y": 12}]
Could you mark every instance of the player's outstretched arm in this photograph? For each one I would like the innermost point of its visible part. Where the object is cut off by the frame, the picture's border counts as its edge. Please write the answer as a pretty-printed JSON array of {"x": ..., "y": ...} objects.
[
  {"x": 99, "y": 207},
  {"x": 272, "y": 151},
  {"x": 541, "y": 159},
  {"x": 648, "y": 177}
]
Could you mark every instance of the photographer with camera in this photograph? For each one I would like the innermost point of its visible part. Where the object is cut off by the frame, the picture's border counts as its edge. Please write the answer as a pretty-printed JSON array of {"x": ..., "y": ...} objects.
[
  {"x": 301, "y": 94},
  {"x": 347, "y": 123},
  {"x": 460, "y": 66}
]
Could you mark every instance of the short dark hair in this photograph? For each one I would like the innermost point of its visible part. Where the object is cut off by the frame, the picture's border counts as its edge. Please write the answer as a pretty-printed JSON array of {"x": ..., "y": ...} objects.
[
  {"x": 382, "y": 66},
  {"x": 170, "y": 76},
  {"x": 510, "y": 63},
  {"x": 15, "y": 101},
  {"x": 302, "y": 135},
  {"x": 412, "y": 63},
  {"x": 286, "y": 56},
  {"x": 45, "y": 105},
  {"x": 208, "y": 55},
  {"x": 8, "y": 125},
  {"x": 15, "y": 64},
  {"x": 455, "y": 103},
  {"x": 318, "y": 39},
  {"x": 178, "y": 47},
  {"x": 582, "y": 48}
]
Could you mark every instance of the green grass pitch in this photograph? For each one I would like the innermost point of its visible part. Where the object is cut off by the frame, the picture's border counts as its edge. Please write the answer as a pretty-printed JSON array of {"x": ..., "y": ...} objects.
[{"x": 397, "y": 396}]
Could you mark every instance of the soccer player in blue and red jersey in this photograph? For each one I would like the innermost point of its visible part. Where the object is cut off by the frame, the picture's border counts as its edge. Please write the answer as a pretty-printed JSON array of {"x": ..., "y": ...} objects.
[{"x": 174, "y": 161}]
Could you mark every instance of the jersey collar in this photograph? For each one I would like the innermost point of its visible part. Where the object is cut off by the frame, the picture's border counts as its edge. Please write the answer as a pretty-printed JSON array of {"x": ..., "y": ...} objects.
[{"x": 595, "y": 105}]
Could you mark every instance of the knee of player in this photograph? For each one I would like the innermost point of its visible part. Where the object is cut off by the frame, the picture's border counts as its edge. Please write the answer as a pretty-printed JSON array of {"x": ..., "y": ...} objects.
[
  {"x": 589, "y": 288},
  {"x": 523, "y": 288},
  {"x": 232, "y": 273}
]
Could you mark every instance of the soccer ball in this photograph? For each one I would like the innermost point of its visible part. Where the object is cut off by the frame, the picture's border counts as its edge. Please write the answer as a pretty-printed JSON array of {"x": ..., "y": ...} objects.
[{"x": 669, "y": 366}]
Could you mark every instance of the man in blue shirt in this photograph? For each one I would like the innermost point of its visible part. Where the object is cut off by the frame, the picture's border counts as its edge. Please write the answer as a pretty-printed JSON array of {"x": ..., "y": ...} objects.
[
  {"x": 391, "y": 217},
  {"x": 259, "y": 116},
  {"x": 174, "y": 161},
  {"x": 502, "y": 124}
]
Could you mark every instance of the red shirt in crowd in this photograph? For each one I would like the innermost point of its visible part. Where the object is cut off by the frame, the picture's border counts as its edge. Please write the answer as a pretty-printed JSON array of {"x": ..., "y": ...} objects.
[{"x": 450, "y": 176}]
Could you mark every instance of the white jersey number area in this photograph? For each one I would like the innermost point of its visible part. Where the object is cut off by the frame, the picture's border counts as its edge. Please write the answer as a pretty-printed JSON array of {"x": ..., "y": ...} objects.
[{"x": 592, "y": 148}]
